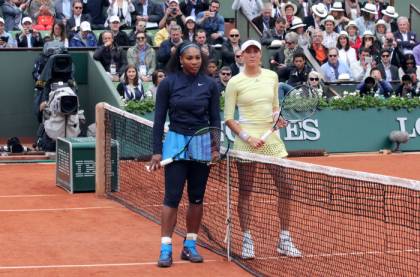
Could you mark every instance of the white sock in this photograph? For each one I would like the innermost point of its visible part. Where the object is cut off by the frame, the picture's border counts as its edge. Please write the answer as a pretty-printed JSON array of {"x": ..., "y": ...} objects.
[
  {"x": 166, "y": 240},
  {"x": 284, "y": 234},
  {"x": 191, "y": 236},
  {"x": 247, "y": 234}
]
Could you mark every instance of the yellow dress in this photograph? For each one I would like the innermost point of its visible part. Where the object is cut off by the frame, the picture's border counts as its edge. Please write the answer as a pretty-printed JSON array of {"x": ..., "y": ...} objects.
[{"x": 255, "y": 98}]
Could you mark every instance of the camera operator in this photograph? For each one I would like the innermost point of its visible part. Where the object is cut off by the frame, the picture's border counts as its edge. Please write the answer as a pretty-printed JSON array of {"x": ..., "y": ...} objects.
[
  {"x": 6, "y": 40},
  {"x": 28, "y": 37},
  {"x": 173, "y": 13},
  {"x": 374, "y": 85}
]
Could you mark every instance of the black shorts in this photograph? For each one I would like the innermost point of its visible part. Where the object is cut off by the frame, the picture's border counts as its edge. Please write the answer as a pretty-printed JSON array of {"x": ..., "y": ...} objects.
[{"x": 176, "y": 173}]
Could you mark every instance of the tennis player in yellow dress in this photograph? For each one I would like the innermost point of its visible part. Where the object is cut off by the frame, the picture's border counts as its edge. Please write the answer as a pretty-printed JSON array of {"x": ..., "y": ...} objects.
[{"x": 255, "y": 92}]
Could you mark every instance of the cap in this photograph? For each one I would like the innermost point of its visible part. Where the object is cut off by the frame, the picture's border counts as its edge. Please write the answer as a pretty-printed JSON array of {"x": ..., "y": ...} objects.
[
  {"x": 1, "y": 20},
  {"x": 26, "y": 19},
  {"x": 249, "y": 43},
  {"x": 189, "y": 18},
  {"x": 368, "y": 33},
  {"x": 170, "y": 1},
  {"x": 85, "y": 26},
  {"x": 114, "y": 18}
]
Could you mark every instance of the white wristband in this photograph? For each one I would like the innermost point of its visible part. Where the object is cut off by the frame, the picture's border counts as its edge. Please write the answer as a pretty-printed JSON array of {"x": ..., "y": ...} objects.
[
  {"x": 276, "y": 115},
  {"x": 244, "y": 136}
]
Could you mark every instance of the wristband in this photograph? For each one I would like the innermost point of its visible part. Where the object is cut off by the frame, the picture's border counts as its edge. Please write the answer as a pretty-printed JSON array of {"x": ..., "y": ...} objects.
[
  {"x": 244, "y": 136},
  {"x": 276, "y": 115}
]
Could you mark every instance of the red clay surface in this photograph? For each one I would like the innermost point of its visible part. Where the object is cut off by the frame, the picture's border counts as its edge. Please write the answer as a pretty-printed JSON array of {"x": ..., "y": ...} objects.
[{"x": 46, "y": 231}]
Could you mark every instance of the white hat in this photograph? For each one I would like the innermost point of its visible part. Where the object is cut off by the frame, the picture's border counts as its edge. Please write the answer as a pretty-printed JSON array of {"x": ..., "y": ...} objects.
[
  {"x": 170, "y": 1},
  {"x": 319, "y": 10},
  {"x": 368, "y": 33},
  {"x": 249, "y": 43},
  {"x": 189, "y": 18},
  {"x": 390, "y": 11},
  {"x": 1, "y": 20},
  {"x": 291, "y": 5},
  {"x": 370, "y": 8},
  {"x": 351, "y": 23},
  {"x": 343, "y": 33},
  {"x": 277, "y": 43},
  {"x": 85, "y": 26},
  {"x": 328, "y": 18},
  {"x": 344, "y": 77},
  {"x": 380, "y": 22},
  {"x": 337, "y": 6},
  {"x": 297, "y": 23},
  {"x": 114, "y": 18},
  {"x": 26, "y": 19}
]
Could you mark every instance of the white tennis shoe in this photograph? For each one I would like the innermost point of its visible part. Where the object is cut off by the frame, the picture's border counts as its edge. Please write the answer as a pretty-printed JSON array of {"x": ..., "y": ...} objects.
[
  {"x": 247, "y": 246},
  {"x": 286, "y": 246}
]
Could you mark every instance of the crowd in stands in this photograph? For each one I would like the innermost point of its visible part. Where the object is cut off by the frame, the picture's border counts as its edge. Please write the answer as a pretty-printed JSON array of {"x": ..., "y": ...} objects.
[{"x": 314, "y": 40}]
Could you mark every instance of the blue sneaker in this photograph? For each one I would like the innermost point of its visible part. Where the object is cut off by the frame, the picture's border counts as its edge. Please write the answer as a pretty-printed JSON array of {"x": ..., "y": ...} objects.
[
  {"x": 189, "y": 252},
  {"x": 165, "y": 258}
]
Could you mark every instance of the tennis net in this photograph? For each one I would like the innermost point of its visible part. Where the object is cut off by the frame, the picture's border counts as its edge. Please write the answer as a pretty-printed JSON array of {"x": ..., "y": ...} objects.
[{"x": 344, "y": 223}]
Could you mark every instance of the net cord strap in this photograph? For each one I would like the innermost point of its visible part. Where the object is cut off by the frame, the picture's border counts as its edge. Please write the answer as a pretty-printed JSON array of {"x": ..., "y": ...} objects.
[{"x": 228, "y": 210}]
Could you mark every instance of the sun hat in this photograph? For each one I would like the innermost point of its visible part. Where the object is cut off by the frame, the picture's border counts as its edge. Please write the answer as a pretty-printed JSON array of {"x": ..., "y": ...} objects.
[
  {"x": 337, "y": 6},
  {"x": 290, "y": 4},
  {"x": 114, "y": 18},
  {"x": 328, "y": 18},
  {"x": 297, "y": 23},
  {"x": 390, "y": 11},
  {"x": 319, "y": 10},
  {"x": 370, "y": 8}
]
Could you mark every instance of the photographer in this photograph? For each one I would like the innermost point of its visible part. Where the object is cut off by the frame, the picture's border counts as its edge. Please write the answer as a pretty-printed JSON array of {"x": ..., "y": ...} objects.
[
  {"x": 361, "y": 69},
  {"x": 213, "y": 23},
  {"x": 12, "y": 14},
  {"x": 374, "y": 85},
  {"x": 391, "y": 45},
  {"x": 407, "y": 88},
  {"x": 173, "y": 13},
  {"x": 6, "y": 40},
  {"x": 28, "y": 37}
]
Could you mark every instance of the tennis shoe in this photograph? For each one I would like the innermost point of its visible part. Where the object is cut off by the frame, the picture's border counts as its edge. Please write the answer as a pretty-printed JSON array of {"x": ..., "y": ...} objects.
[
  {"x": 190, "y": 253},
  {"x": 287, "y": 248},
  {"x": 248, "y": 247},
  {"x": 165, "y": 258}
]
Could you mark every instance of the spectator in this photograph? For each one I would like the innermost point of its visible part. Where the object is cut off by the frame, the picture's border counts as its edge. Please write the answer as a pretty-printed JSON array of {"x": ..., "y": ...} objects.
[
  {"x": 63, "y": 9},
  {"x": 6, "y": 39},
  {"x": 148, "y": 11},
  {"x": 44, "y": 19},
  {"x": 318, "y": 14},
  {"x": 330, "y": 36},
  {"x": 318, "y": 51},
  {"x": 380, "y": 31},
  {"x": 352, "y": 9},
  {"x": 111, "y": 56},
  {"x": 173, "y": 13},
  {"x": 238, "y": 65},
  {"x": 407, "y": 88},
  {"x": 95, "y": 8},
  {"x": 369, "y": 42},
  {"x": 28, "y": 37},
  {"x": 354, "y": 39},
  {"x": 225, "y": 73},
  {"x": 388, "y": 71},
  {"x": 131, "y": 88},
  {"x": 361, "y": 69},
  {"x": 212, "y": 22},
  {"x": 277, "y": 33},
  {"x": 408, "y": 63},
  {"x": 40, "y": 7},
  {"x": 388, "y": 15},
  {"x": 264, "y": 21},
  {"x": 297, "y": 74},
  {"x": 58, "y": 32},
  {"x": 168, "y": 47},
  {"x": 250, "y": 8},
  {"x": 278, "y": 8},
  {"x": 416, "y": 84},
  {"x": 84, "y": 38},
  {"x": 140, "y": 27},
  {"x": 230, "y": 46},
  {"x": 194, "y": 7},
  {"x": 406, "y": 40},
  {"x": 337, "y": 11},
  {"x": 416, "y": 53},
  {"x": 379, "y": 6},
  {"x": 143, "y": 57},
  {"x": 345, "y": 52},
  {"x": 333, "y": 67},
  {"x": 157, "y": 76},
  {"x": 367, "y": 19},
  {"x": 327, "y": 4},
  {"x": 122, "y": 9},
  {"x": 12, "y": 14},
  {"x": 212, "y": 68},
  {"x": 298, "y": 27},
  {"x": 163, "y": 34},
  {"x": 120, "y": 38},
  {"x": 374, "y": 85},
  {"x": 396, "y": 54},
  {"x": 314, "y": 82},
  {"x": 201, "y": 41},
  {"x": 304, "y": 8},
  {"x": 73, "y": 23},
  {"x": 190, "y": 29},
  {"x": 284, "y": 57},
  {"x": 290, "y": 10}
]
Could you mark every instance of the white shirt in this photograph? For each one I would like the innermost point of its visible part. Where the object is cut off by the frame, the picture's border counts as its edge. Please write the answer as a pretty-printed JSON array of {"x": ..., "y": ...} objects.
[
  {"x": 67, "y": 8},
  {"x": 146, "y": 3},
  {"x": 28, "y": 39},
  {"x": 330, "y": 40},
  {"x": 250, "y": 8},
  {"x": 77, "y": 20}
]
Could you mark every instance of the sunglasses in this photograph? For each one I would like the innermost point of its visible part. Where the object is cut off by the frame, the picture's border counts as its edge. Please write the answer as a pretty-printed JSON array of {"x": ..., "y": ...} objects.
[
  {"x": 225, "y": 73},
  {"x": 313, "y": 79},
  {"x": 332, "y": 56},
  {"x": 289, "y": 42},
  {"x": 140, "y": 38},
  {"x": 78, "y": 8},
  {"x": 234, "y": 35},
  {"x": 238, "y": 56},
  {"x": 409, "y": 63},
  {"x": 385, "y": 56}
]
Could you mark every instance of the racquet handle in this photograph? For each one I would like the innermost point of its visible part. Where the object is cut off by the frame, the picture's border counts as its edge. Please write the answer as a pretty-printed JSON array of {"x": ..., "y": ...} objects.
[
  {"x": 267, "y": 134},
  {"x": 162, "y": 163}
]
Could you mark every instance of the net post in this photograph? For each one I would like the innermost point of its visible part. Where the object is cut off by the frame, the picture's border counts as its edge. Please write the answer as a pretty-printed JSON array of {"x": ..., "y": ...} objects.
[
  {"x": 228, "y": 206},
  {"x": 100, "y": 150}
]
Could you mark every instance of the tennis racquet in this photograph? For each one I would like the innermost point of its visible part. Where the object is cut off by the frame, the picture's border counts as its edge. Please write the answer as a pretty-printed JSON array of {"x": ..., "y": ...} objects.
[
  {"x": 208, "y": 145},
  {"x": 298, "y": 104}
]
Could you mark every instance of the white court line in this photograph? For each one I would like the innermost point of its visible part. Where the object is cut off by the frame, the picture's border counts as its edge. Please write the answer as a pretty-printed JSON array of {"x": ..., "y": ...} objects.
[
  {"x": 343, "y": 254},
  {"x": 30, "y": 195},
  {"x": 91, "y": 265},
  {"x": 58, "y": 209}
]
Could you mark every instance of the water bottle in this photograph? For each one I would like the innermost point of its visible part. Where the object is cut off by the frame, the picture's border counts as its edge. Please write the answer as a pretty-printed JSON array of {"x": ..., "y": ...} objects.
[{"x": 113, "y": 69}]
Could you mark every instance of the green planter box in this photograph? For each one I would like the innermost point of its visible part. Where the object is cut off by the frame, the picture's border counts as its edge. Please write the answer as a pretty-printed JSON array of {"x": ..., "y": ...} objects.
[{"x": 76, "y": 168}]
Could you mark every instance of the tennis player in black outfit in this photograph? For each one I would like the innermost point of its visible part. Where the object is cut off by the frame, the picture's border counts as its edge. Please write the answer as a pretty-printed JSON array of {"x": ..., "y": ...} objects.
[{"x": 192, "y": 101}]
